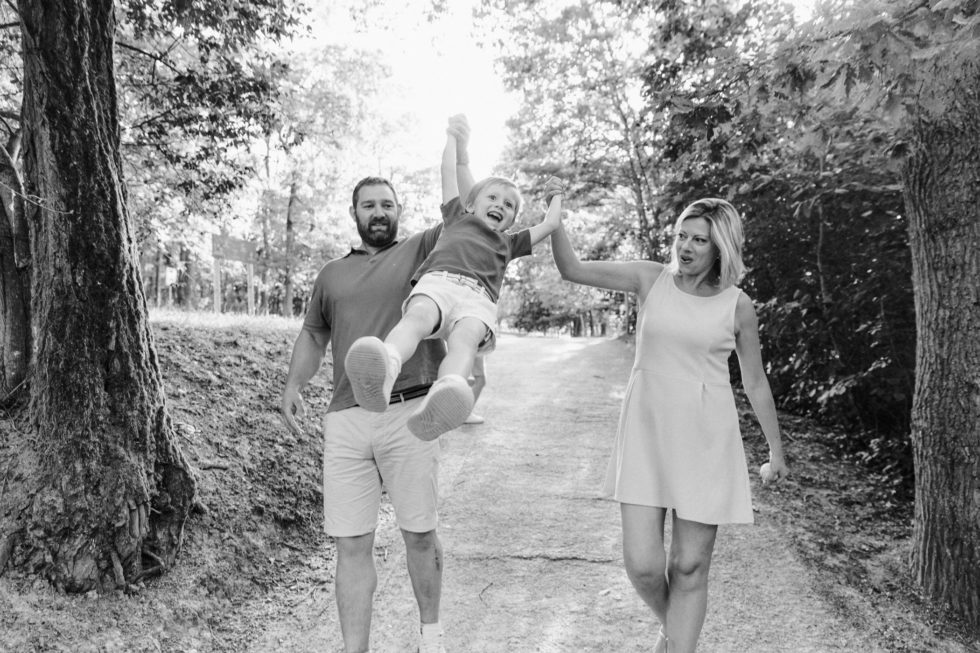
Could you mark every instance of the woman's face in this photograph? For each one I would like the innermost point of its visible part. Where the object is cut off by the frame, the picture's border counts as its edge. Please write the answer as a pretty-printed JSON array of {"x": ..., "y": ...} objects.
[{"x": 693, "y": 247}]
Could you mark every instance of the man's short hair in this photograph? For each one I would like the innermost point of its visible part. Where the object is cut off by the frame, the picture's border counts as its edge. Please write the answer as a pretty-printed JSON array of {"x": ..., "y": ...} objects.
[{"x": 372, "y": 181}]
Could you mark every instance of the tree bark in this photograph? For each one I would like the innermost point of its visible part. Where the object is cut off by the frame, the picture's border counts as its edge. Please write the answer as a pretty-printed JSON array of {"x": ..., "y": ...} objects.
[
  {"x": 942, "y": 195},
  {"x": 15, "y": 331},
  {"x": 109, "y": 490}
]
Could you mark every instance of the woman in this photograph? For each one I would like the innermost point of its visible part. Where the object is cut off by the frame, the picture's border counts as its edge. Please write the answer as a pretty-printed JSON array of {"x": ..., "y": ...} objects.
[{"x": 678, "y": 446}]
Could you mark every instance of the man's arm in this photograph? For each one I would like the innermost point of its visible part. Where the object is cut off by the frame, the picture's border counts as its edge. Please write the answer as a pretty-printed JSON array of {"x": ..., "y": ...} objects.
[
  {"x": 459, "y": 128},
  {"x": 448, "y": 169},
  {"x": 308, "y": 353}
]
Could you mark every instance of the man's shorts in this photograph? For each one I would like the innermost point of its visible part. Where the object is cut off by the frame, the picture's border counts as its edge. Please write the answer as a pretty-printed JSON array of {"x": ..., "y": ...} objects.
[
  {"x": 363, "y": 451},
  {"x": 458, "y": 296}
]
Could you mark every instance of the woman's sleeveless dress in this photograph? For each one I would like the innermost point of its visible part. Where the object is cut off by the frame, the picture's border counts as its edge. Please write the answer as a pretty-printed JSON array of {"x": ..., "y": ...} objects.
[{"x": 678, "y": 444}]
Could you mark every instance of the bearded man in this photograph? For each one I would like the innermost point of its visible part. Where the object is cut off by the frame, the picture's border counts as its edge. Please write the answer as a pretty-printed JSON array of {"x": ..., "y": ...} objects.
[{"x": 361, "y": 294}]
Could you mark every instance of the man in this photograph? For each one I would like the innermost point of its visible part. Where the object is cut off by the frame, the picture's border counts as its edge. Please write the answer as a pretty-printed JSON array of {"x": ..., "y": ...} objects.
[{"x": 357, "y": 295}]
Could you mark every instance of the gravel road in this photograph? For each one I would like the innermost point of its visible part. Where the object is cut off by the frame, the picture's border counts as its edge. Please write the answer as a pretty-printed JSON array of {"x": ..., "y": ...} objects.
[{"x": 533, "y": 558}]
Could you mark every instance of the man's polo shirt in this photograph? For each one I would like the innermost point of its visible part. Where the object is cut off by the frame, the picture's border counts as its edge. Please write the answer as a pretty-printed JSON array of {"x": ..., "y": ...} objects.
[{"x": 361, "y": 294}]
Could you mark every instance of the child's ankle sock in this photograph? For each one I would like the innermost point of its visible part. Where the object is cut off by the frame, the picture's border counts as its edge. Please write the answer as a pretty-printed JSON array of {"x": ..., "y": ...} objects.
[{"x": 394, "y": 360}]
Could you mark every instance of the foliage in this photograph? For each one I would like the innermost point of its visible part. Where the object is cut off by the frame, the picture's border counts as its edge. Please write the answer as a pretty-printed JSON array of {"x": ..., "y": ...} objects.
[
  {"x": 198, "y": 83},
  {"x": 324, "y": 106},
  {"x": 723, "y": 100}
]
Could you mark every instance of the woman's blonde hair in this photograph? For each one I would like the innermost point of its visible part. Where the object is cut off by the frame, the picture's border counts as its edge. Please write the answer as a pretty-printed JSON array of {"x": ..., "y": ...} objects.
[
  {"x": 725, "y": 233},
  {"x": 493, "y": 181}
]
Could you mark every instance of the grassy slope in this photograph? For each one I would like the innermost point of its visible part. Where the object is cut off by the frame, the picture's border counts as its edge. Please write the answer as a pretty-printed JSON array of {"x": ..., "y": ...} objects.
[{"x": 259, "y": 489}]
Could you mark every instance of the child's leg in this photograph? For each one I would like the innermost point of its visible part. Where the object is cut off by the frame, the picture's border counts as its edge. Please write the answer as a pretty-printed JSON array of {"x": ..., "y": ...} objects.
[
  {"x": 420, "y": 319},
  {"x": 462, "y": 343},
  {"x": 450, "y": 400},
  {"x": 373, "y": 366}
]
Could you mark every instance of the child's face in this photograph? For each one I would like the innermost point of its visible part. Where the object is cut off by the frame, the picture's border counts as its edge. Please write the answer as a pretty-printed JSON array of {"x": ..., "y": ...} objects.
[{"x": 496, "y": 205}]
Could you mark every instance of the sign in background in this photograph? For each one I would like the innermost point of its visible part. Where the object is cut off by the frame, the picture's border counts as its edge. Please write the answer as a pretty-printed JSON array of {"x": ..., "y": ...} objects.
[
  {"x": 233, "y": 249},
  {"x": 226, "y": 248}
]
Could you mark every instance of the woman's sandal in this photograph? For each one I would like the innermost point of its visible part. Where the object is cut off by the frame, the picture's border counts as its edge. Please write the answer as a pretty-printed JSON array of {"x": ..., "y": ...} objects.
[{"x": 661, "y": 645}]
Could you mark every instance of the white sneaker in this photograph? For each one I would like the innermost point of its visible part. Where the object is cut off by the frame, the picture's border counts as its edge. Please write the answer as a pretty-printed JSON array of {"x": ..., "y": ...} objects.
[
  {"x": 372, "y": 372},
  {"x": 432, "y": 644},
  {"x": 474, "y": 419},
  {"x": 446, "y": 407}
]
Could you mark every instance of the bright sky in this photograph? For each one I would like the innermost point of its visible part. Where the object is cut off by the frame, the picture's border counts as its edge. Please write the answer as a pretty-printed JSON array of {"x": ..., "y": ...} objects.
[{"x": 440, "y": 72}]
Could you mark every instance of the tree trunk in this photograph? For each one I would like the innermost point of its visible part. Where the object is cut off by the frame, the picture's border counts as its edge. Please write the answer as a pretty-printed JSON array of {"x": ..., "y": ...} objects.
[
  {"x": 186, "y": 296},
  {"x": 287, "y": 300},
  {"x": 942, "y": 195},
  {"x": 15, "y": 331},
  {"x": 109, "y": 489}
]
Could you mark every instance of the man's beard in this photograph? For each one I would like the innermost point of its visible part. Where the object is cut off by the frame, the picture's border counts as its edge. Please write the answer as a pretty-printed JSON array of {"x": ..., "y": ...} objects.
[{"x": 378, "y": 237}]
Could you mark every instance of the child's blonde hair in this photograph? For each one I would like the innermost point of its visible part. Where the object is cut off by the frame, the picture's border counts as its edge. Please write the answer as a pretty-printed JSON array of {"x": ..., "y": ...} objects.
[
  {"x": 490, "y": 181},
  {"x": 725, "y": 233}
]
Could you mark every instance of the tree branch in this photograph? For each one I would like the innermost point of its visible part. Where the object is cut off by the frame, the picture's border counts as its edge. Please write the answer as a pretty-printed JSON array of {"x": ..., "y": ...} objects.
[
  {"x": 155, "y": 57},
  {"x": 9, "y": 25},
  {"x": 9, "y": 115}
]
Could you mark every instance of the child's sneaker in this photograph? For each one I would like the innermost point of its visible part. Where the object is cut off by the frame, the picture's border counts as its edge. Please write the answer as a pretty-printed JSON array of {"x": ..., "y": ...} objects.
[
  {"x": 447, "y": 405},
  {"x": 372, "y": 371}
]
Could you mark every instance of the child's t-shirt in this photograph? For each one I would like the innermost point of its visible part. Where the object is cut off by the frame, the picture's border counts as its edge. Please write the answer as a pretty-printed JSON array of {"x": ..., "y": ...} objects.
[{"x": 468, "y": 246}]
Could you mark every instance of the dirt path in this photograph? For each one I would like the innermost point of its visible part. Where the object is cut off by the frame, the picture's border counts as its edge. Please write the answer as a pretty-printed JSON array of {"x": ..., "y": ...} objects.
[{"x": 533, "y": 559}]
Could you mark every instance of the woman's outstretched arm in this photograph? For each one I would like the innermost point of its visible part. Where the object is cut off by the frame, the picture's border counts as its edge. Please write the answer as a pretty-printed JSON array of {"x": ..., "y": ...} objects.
[{"x": 629, "y": 276}]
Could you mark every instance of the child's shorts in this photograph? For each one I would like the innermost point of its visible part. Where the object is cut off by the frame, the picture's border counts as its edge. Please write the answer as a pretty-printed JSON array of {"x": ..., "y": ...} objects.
[{"x": 458, "y": 296}]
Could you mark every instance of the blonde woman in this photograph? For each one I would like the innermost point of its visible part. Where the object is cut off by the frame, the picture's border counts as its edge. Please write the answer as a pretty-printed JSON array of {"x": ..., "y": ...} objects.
[{"x": 678, "y": 446}]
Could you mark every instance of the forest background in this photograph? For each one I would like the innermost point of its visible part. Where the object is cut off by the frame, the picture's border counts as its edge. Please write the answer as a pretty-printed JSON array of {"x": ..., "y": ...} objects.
[{"x": 253, "y": 120}]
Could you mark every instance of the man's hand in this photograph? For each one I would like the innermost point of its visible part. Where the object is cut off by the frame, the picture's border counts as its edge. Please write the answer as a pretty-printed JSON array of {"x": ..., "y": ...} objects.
[
  {"x": 459, "y": 128},
  {"x": 291, "y": 407}
]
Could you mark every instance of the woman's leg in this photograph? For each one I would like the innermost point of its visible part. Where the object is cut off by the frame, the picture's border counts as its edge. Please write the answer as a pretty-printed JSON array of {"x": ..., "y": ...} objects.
[
  {"x": 691, "y": 547},
  {"x": 644, "y": 555}
]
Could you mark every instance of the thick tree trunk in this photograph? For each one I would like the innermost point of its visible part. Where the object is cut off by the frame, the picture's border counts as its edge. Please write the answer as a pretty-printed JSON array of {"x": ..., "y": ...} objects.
[
  {"x": 109, "y": 490},
  {"x": 942, "y": 179},
  {"x": 15, "y": 331}
]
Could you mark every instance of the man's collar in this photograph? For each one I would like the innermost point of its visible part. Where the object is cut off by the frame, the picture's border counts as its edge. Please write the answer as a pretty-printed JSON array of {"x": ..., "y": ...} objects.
[{"x": 358, "y": 248}]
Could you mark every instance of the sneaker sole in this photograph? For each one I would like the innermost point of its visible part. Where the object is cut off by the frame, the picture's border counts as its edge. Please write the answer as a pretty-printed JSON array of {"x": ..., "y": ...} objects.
[
  {"x": 443, "y": 409},
  {"x": 366, "y": 365}
]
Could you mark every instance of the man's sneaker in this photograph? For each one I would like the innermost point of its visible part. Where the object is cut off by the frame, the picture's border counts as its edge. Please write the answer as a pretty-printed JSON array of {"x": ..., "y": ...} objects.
[
  {"x": 474, "y": 419},
  {"x": 372, "y": 372},
  {"x": 431, "y": 644},
  {"x": 446, "y": 407}
]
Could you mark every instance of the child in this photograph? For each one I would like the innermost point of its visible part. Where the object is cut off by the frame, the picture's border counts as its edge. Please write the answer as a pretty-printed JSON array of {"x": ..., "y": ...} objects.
[{"x": 455, "y": 294}]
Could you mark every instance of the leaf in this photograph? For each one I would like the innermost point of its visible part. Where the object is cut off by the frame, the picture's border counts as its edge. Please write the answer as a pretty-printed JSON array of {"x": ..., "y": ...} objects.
[{"x": 681, "y": 104}]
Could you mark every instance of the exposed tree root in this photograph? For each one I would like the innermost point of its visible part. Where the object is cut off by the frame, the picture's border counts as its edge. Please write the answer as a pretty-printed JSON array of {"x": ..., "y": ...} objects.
[{"x": 6, "y": 548}]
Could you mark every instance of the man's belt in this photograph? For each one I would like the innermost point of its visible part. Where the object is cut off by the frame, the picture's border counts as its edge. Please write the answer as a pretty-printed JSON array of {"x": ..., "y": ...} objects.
[{"x": 409, "y": 393}]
